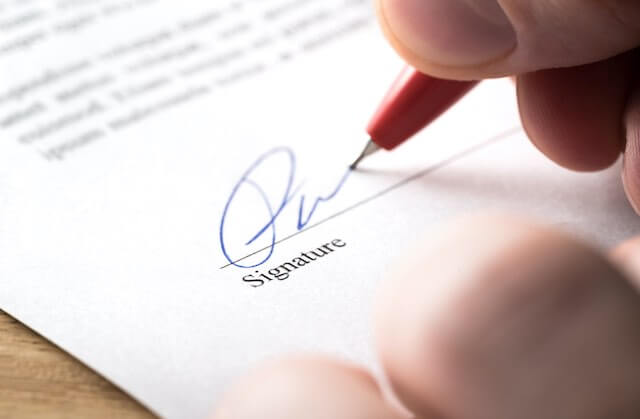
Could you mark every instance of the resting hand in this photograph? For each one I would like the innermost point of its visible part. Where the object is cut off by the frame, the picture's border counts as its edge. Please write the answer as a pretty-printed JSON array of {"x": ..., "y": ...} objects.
[{"x": 491, "y": 319}]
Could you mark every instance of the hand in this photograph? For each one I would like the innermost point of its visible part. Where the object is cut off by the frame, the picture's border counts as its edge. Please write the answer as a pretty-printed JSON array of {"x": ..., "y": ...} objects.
[
  {"x": 576, "y": 67},
  {"x": 493, "y": 318}
]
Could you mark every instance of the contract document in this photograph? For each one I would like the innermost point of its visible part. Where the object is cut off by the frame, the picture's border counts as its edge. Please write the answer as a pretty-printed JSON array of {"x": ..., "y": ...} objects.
[{"x": 175, "y": 199}]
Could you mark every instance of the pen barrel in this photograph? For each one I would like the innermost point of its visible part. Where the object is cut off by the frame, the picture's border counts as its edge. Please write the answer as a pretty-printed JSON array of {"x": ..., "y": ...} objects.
[{"x": 413, "y": 102}]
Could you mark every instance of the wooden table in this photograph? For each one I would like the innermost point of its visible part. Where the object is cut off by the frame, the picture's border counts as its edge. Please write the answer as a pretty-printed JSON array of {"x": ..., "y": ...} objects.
[{"x": 38, "y": 380}]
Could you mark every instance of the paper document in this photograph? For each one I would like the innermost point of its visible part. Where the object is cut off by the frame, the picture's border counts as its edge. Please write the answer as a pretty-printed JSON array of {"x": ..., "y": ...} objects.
[{"x": 175, "y": 204}]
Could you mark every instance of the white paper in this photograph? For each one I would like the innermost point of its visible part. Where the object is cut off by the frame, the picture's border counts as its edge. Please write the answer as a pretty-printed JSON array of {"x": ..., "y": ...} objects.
[{"x": 126, "y": 125}]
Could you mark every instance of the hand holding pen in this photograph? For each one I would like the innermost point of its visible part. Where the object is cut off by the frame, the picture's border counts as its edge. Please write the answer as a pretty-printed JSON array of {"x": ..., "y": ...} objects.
[
  {"x": 575, "y": 64},
  {"x": 495, "y": 317}
]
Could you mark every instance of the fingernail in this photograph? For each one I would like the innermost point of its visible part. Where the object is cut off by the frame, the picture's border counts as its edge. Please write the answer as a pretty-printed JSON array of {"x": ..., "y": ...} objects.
[{"x": 450, "y": 32}]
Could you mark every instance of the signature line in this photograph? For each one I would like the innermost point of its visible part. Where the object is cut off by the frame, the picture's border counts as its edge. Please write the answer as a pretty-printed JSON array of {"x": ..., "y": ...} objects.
[{"x": 503, "y": 135}]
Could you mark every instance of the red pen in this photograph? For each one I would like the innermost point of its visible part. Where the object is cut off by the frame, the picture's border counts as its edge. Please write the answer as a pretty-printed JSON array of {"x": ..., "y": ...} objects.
[{"x": 413, "y": 102}]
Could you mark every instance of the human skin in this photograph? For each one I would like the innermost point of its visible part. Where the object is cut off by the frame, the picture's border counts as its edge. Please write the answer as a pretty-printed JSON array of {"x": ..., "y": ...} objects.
[
  {"x": 498, "y": 317},
  {"x": 491, "y": 317},
  {"x": 575, "y": 62}
]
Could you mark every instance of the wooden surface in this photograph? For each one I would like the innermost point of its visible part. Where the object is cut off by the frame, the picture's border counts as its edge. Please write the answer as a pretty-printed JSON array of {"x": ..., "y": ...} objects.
[{"x": 38, "y": 380}]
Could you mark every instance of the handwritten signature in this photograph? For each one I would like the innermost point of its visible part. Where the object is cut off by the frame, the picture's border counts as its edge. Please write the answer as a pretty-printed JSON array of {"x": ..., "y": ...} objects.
[{"x": 273, "y": 209}]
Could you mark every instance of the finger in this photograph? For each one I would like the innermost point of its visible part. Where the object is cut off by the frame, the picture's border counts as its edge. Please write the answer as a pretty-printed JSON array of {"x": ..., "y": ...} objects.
[
  {"x": 310, "y": 388},
  {"x": 497, "y": 319},
  {"x": 574, "y": 115},
  {"x": 631, "y": 170},
  {"x": 476, "y": 39},
  {"x": 627, "y": 256}
]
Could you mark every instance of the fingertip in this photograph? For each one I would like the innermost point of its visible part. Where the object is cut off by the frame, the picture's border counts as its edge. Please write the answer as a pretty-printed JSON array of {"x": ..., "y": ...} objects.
[
  {"x": 413, "y": 306},
  {"x": 627, "y": 256},
  {"x": 305, "y": 387},
  {"x": 574, "y": 115},
  {"x": 499, "y": 318},
  {"x": 630, "y": 184},
  {"x": 631, "y": 167},
  {"x": 450, "y": 32},
  {"x": 426, "y": 41},
  {"x": 475, "y": 39}
]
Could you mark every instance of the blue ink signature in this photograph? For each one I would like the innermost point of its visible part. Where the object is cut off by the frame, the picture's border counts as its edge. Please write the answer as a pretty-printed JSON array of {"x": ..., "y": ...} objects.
[{"x": 274, "y": 210}]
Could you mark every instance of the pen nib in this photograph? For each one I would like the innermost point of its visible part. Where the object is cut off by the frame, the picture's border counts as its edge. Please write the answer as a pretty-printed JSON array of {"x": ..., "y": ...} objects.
[{"x": 369, "y": 149}]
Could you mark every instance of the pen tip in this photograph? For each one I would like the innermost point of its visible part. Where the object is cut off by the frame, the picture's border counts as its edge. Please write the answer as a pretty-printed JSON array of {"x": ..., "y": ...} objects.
[{"x": 369, "y": 149}]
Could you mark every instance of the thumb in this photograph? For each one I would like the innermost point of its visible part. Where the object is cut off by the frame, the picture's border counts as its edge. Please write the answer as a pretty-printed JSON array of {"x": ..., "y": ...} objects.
[{"x": 488, "y": 38}]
